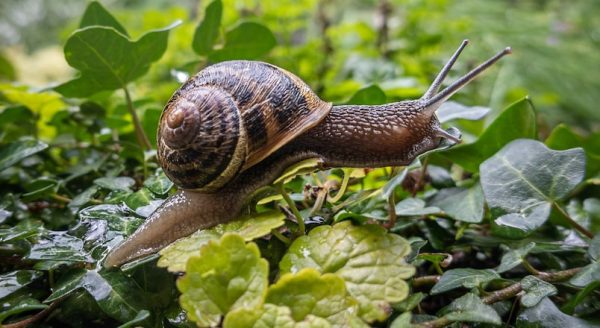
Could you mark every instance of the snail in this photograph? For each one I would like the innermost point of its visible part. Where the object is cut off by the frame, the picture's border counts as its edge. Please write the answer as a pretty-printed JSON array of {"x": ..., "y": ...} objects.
[{"x": 236, "y": 126}]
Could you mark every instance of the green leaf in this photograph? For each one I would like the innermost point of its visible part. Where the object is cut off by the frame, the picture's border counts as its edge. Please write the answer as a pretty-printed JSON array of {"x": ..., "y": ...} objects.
[
  {"x": 514, "y": 257},
  {"x": 563, "y": 137},
  {"x": 226, "y": 275},
  {"x": 569, "y": 307},
  {"x": 588, "y": 275},
  {"x": 594, "y": 249},
  {"x": 466, "y": 277},
  {"x": 370, "y": 260},
  {"x": 451, "y": 110},
  {"x": 546, "y": 314},
  {"x": 109, "y": 60},
  {"x": 158, "y": 183},
  {"x": 139, "y": 318},
  {"x": 535, "y": 290},
  {"x": 371, "y": 95},
  {"x": 120, "y": 218},
  {"x": 115, "y": 183},
  {"x": 470, "y": 308},
  {"x": 16, "y": 151},
  {"x": 303, "y": 167},
  {"x": 270, "y": 316},
  {"x": 7, "y": 71},
  {"x": 415, "y": 207},
  {"x": 248, "y": 40},
  {"x": 208, "y": 30},
  {"x": 462, "y": 204},
  {"x": 175, "y": 256},
  {"x": 402, "y": 321},
  {"x": 307, "y": 292},
  {"x": 524, "y": 179},
  {"x": 516, "y": 121},
  {"x": 13, "y": 281},
  {"x": 96, "y": 14},
  {"x": 59, "y": 246},
  {"x": 22, "y": 230}
]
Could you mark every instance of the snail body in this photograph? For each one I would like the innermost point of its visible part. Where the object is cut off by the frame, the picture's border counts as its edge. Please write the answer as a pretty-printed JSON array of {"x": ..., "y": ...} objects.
[{"x": 236, "y": 126}]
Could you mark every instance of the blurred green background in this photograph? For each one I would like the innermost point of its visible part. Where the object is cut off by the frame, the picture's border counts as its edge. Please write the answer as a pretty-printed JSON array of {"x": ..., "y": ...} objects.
[{"x": 339, "y": 47}]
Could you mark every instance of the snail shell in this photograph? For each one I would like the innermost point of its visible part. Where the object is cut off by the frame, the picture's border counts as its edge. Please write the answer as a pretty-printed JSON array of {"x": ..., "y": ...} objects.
[{"x": 229, "y": 117}]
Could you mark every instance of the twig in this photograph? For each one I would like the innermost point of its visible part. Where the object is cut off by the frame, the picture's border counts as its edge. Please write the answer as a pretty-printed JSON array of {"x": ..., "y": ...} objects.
[
  {"x": 281, "y": 237},
  {"x": 34, "y": 318},
  {"x": 425, "y": 281},
  {"x": 391, "y": 211},
  {"x": 137, "y": 125},
  {"x": 293, "y": 207}
]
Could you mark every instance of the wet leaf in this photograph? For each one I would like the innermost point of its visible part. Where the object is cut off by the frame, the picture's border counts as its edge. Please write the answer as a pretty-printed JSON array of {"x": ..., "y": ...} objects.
[
  {"x": 535, "y": 290},
  {"x": 158, "y": 183},
  {"x": 115, "y": 183},
  {"x": 59, "y": 246},
  {"x": 370, "y": 260},
  {"x": 225, "y": 275},
  {"x": 469, "y": 308},
  {"x": 14, "y": 152},
  {"x": 546, "y": 314},
  {"x": 13, "y": 281}
]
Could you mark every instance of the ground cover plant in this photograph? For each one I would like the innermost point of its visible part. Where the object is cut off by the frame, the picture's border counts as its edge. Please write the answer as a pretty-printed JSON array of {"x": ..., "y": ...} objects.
[{"x": 501, "y": 230}]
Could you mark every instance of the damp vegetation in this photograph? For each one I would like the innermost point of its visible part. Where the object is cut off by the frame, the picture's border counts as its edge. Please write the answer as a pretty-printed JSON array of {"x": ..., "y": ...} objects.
[{"x": 500, "y": 230}]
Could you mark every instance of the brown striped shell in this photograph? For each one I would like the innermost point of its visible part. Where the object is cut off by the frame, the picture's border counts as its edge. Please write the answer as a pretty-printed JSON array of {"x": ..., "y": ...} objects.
[{"x": 229, "y": 117}]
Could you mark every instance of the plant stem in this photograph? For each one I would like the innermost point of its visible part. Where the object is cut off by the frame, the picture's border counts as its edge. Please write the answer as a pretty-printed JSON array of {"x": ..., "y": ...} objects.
[
  {"x": 391, "y": 211},
  {"x": 137, "y": 125},
  {"x": 34, "y": 318},
  {"x": 530, "y": 267},
  {"x": 281, "y": 237},
  {"x": 343, "y": 187},
  {"x": 293, "y": 207},
  {"x": 425, "y": 281},
  {"x": 572, "y": 222}
]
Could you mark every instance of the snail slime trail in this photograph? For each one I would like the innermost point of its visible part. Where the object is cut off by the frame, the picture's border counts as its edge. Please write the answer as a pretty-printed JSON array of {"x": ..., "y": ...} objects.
[{"x": 236, "y": 126}]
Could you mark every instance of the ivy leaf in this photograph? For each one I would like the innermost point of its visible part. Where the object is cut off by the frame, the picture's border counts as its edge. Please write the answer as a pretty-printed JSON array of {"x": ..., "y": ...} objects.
[
  {"x": 270, "y": 316},
  {"x": 588, "y": 275},
  {"x": 371, "y": 95},
  {"x": 402, "y": 321},
  {"x": 415, "y": 207},
  {"x": 462, "y": 204},
  {"x": 370, "y": 260},
  {"x": 21, "y": 230},
  {"x": 175, "y": 256},
  {"x": 594, "y": 249},
  {"x": 119, "y": 218},
  {"x": 158, "y": 183},
  {"x": 208, "y": 30},
  {"x": 12, "y": 281},
  {"x": 59, "y": 246},
  {"x": 516, "y": 121},
  {"x": 514, "y": 257},
  {"x": 109, "y": 60},
  {"x": 569, "y": 307},
  {"x": 226, "y": 275},
  {"x": 451, "y": 110},
  {"x": 16, "y": 151},
  {"x": 535, "y": 290},
  {"x": 524, "y": 179},
  {"x": 96, "y": 14},
  {"x": 470, "y": 308},
  {"x": 307, "y": 292},
  {"x": 248, "y": 40},
  {"x": 546, "y": 314},
  {"x": 465, "y": 277},
  {"x": 115, "y": 183},
  {"x": 117, "y": 295},
  {"x": 562, "y": 137}
]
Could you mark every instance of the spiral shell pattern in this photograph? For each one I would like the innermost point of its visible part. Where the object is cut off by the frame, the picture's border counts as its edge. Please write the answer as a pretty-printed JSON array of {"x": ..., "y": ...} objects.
[{"x": 229, "y": 117}]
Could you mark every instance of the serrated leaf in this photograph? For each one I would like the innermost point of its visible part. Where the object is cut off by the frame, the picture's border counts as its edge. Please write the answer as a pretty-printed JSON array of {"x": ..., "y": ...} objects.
[
  {"x": 370, "y": 260},
  {"x": 514, "y": 257},
  {"x": 546, "y": 314},
  {"x": 16, "y": 151},
  {"x": 470, "y": 308},
  {"x": 371, "y": 95},
  {"x": 466, "y": 277},
  {"x": 270, "y": 316},
  {"x": 451, "y": 110},
  {"x": 535, "y": 290},
  {"x": 248, "y": 40},
  {"x": 462, "y": 204},
  {"x": 524, "y": 179},
  {"x": 108, "y": 60},
  {"x": 13, "y": 281},
  {"x": 208, "y": 30},
  {"x": 307, "y": 292},
  {"x": 224, "y": 276},
  {"x": 516, "y": 121},
  {"x": 175, "y": 256},
  {"x": 96, "y": 14}
]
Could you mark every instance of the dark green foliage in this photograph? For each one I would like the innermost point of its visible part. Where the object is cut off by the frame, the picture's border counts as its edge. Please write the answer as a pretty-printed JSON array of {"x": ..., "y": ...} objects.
[{"x": 501, "y": 230}]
